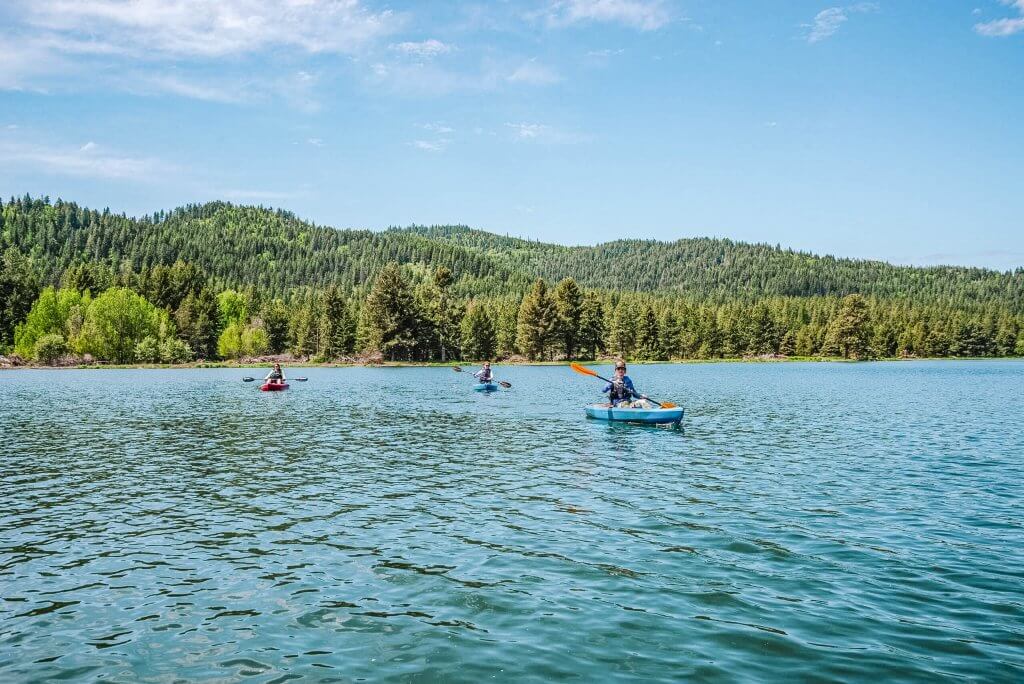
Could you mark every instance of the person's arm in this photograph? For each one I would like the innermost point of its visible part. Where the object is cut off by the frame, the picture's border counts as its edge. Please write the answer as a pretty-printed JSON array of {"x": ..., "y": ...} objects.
[
  {"x": 269, "y": 374},
  {"x": 477, "y": 374},
  {"x": 632, "y": 390},
  {"x": 607, "y": 388}
]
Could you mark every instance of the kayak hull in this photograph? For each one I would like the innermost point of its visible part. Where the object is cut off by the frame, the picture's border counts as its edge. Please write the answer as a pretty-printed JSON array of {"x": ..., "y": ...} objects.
[
  {"x": 273, "y": 386},
  {"x": 655, "y": 416},
  {"x": 486, "y": 387}
]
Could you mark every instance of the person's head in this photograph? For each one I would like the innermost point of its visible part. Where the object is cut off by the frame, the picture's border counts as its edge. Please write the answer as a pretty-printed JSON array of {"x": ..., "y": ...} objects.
[
  {"x": 277, "y": 366},
  {"x": 620, "y": 368},
  {"x": 487, "y": 364}
]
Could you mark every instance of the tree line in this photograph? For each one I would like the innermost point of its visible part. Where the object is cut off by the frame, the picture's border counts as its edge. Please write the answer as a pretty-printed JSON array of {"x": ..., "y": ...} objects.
[{"x": 176, "y": 313}]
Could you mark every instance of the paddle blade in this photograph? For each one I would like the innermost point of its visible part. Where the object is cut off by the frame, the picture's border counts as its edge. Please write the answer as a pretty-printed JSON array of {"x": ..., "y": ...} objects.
[
  {"x": 457, "y": 369},
  {"x": 506, "y": 385},
  {"x": 248, "y": 379},
  {"x": 669, "y": 404},
  {"x": 300, "y": 379},
  {"x": 582, "y": 369}
]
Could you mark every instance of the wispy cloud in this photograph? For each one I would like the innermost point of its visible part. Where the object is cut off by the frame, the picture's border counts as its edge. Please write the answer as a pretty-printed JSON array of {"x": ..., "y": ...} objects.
[
  {"x": 440, "y": 128},
  {"x": 644, "y": 15},
  {"x": 534, "y": 73},
  {"x": 193, "y": 28},
  {"x": 1000, "y": 28},
  {"x": 426, "y": 48},
  {"x": 166, "y": 47},
  {"x": 536, "y": 132},
  {"x": 88, "y": 161},
  {"x": 828, "y": 21},
  {"x": 431, "y": 145}
]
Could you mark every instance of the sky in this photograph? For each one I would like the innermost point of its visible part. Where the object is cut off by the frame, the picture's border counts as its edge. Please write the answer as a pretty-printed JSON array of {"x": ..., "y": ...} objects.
[{"x": 883, "y": 130}]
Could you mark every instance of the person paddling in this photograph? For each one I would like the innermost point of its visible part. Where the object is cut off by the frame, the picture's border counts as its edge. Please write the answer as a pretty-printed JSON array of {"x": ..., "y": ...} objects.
[
  {"x": 484, "y": 374},
  {"x": 621, "y": 391},
  {"x": 276, "y": 374}
]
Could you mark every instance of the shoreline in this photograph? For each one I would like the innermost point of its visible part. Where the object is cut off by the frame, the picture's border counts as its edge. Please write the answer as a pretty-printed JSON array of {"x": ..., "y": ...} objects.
[{"x": 428, "y": 364}]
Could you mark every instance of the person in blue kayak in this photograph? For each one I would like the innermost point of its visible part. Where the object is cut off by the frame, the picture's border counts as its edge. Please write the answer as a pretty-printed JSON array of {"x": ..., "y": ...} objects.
[
  {"x": 275, "y": 374},
  {"x": 484, "y": 374},
  {"x": 620, "y": 390}
]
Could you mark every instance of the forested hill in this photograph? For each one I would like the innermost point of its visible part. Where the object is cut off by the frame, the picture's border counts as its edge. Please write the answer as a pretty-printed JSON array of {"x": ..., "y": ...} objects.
[
  {"x": 238, "y": 246},
  {"x": 723, "y": 270}
]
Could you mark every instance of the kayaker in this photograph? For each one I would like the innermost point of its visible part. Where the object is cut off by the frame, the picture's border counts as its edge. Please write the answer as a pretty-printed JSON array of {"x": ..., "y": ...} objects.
[
  {"x": 484, "y": 374},
  {"x": 621, "y": 391},
  {"x": 276, "y": 374}
]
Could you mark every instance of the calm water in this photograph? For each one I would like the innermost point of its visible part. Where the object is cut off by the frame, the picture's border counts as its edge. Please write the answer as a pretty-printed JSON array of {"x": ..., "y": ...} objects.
[{"x": 811, "y": 521}]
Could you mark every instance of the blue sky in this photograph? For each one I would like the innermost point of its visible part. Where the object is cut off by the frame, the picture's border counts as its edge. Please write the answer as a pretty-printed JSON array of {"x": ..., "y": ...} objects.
[{"x": 887, "y": 130}]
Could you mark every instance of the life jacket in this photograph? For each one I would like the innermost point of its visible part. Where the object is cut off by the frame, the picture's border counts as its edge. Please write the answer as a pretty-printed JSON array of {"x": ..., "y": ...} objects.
[
  {"x": 620, "y": 392},
  {"x": 275, "y": 375},
  {"x": 486, "y": 375}
]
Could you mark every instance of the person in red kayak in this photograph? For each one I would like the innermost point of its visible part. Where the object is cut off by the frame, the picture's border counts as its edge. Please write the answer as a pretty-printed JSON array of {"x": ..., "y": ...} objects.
[
  {"x": 620, "y": 390},
  {"x": 276, "y": 375}
]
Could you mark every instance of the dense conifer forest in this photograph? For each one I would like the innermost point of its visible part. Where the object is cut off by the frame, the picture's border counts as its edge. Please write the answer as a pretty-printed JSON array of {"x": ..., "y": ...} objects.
[{"x": 218, "y": 281}]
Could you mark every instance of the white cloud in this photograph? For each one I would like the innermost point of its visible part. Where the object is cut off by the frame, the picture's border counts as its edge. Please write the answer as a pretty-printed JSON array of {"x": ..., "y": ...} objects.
[
  {"x": 645, "y": 15},
  {"x": 85, "y": 161},
  {"x": 431, "y": 145},
  {"x": 828, "y": 21},
  {"x": 426, "y": 48},
  {"x": 1000, "y": 28},
  {"x": 315, "y": 142},
  {"x": 437, "y": 128},
  {"x": 605, "y": 54},
  {"x": 204, "y": 28},
  {"x": 535, "y": 132},
  {"x": 533, "y": 73}
]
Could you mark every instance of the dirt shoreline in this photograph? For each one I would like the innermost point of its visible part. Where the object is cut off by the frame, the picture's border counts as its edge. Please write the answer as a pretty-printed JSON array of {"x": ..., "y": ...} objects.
[{"x": 425, "y": 364}]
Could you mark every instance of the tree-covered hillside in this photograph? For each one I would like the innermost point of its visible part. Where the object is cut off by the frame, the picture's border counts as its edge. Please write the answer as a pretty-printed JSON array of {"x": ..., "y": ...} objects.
[
  {"x": 275, "y": 251},
  {"x": 221, "y": 281},
  {"x": 723, "y": 270}
]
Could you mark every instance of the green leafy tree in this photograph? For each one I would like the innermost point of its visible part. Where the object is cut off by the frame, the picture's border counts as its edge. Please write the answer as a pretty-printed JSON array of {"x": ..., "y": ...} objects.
[
  {"x": 537, "y": 318},
  {"x": 116, "y": 321},
  {"x": 233, "y": 308},
  {"x": 49, "y": 348},
  {"x": 49, "y": 315}
]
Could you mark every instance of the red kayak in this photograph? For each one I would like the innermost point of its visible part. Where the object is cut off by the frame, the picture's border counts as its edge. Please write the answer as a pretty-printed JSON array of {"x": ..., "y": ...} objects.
[{"x": 274, "y": 386}]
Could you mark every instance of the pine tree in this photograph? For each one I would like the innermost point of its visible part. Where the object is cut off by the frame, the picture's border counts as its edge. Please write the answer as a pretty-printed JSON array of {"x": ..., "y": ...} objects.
[
  {"x": 848, "y": 333},
  {"x": 337, "y": 334},
  {"x": 592, "y": 327},
  {"x": 568, "y": 301},
  {"x": 623, "y": 330},
  {"x": 536, "y": 323},
  {"x": 648, "y": 336},
  {"x": 391, "y": 317},
  {"x": 478, "y": 338}
]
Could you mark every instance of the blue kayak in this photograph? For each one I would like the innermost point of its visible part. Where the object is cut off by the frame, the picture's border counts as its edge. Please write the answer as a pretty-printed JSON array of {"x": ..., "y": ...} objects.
[
  {"x": 654, "y": 416},
  {"x": 486, "y": 387}
]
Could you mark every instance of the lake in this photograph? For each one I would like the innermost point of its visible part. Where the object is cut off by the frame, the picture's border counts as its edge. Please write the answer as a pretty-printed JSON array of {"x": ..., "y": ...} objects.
[{"x": 811, "y": 521}]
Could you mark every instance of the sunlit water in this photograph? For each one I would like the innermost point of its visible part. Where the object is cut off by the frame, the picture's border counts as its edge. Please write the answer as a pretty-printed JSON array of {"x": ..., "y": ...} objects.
[{"x": 809, "y": 522}]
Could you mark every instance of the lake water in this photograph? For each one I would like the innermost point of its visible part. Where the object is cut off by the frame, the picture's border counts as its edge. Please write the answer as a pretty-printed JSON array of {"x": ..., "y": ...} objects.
[{"x": 842, "y": 522}]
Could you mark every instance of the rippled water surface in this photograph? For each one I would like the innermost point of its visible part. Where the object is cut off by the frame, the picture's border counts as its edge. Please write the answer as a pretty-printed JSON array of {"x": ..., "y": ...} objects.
[{"x": 811, "y": 521}]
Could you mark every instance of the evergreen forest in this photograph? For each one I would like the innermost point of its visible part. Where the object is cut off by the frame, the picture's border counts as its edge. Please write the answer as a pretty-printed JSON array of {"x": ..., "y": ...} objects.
[{"x": 220, "y": 281}]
